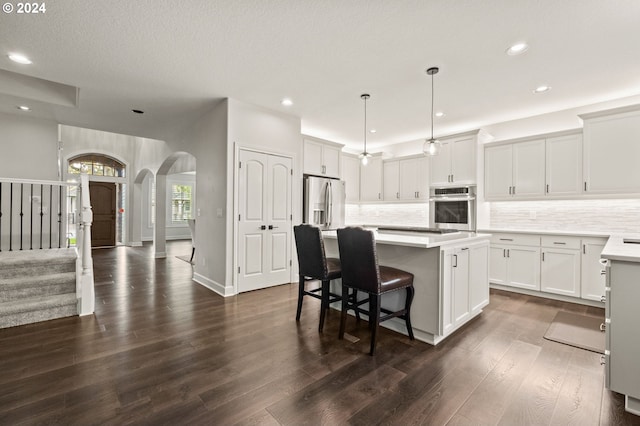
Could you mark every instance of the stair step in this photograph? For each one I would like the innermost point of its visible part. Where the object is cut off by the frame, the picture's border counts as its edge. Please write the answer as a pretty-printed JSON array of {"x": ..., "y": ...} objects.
[
  {"x": 24, "y": 287},
  {"x": 37, "y": 262},
  {"x": 36, "y": 309}
]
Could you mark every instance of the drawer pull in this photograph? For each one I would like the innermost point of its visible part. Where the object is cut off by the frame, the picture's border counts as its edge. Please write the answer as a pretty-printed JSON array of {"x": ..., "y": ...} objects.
[
  {"x": 603, "y": 327},
  {"x": 506, "y": 239},
  {"x": 555, "y": 242}
]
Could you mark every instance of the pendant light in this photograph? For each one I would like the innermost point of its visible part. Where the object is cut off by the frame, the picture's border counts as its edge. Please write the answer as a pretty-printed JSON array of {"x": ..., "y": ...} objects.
[
  {"x": 432, "y": 146},
  {"x": 364, "y": 157}
]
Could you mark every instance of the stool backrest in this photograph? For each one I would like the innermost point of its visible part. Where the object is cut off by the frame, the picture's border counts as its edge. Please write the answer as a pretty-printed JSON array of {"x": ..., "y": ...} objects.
[
  {"x": 312, "y": 261},
  {"x": 359, "y": 259}
]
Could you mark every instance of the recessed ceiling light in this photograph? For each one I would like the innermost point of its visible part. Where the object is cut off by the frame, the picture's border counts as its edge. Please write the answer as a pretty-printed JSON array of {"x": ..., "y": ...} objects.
[
  {"x": 286, "y": 102},
  {"x": 137, "y": 111},
  {"x": 440, "y": 114},
  {"x": 542, "y": 89},
  {"x": 517, "y": 49},
  {"x": 373, "y": 131},
  {"x": 24, "y": 108},
  {"x": 21, "y": 59}
]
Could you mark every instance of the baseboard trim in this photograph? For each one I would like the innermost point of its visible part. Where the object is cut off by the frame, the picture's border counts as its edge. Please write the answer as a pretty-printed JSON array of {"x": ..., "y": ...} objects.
[
  {"x": 135, "y": 244},
  {"x": 544, "y": 295},
  {"x": 161, "y": 255},
  {"x": 222, "y": 290}
]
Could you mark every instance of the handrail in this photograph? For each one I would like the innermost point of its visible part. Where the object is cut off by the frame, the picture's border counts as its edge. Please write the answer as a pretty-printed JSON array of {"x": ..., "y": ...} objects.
[{"x": 40, "y": 182}]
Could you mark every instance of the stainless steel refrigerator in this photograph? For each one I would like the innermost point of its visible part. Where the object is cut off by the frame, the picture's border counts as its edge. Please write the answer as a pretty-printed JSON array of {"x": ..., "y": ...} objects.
[{"x": 324, "y": 200}]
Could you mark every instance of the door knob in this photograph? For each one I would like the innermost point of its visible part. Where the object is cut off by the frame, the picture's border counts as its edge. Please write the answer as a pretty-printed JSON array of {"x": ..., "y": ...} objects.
[
  {"x": 263, "y": 227},
  {"x": 272, "y": 227}
]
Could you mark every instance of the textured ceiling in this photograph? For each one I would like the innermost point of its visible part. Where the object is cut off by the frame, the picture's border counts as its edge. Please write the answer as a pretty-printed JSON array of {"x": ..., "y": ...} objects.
[{"x": 176, "y": 59}]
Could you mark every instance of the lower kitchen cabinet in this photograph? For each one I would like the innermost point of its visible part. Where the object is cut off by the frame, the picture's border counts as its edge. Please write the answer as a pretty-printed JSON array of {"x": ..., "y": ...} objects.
[
  {"x": 515, "y": 266},
  {"x": 464, "y": 284},
  {"x": 592, "y": 284},
  {"x": 560, "y": 265}
]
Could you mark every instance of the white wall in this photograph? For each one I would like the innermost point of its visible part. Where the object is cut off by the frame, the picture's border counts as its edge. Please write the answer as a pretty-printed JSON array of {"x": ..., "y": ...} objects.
[{"x": 29, "y": 147}]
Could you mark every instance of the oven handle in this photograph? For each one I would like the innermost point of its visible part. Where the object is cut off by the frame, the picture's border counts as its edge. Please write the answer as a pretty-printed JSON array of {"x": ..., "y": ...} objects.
[{"x": 452, "y": 198}]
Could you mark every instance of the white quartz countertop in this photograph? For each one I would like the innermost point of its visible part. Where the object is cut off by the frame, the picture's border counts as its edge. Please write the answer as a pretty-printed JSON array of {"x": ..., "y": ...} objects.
[
  {"x": 601, "y": 234},
  {"x": 421, "y": 240},
  {"x": 621, "y": 247}
]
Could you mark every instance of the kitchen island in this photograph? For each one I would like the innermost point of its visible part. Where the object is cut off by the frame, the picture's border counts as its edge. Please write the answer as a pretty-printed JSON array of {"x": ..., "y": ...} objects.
[
  {"x": 622, "y": 296},
  {"x": 451, "y": 278}
]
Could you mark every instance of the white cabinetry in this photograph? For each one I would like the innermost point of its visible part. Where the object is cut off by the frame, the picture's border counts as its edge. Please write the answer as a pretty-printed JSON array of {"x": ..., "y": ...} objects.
[
  {"x": 560, "y": 267},
  {"x": 622, "y": 370},
  {"x": 456, "y": 162},
  {"x": 564, "y": 165},
  {"x": 611, "y": 151},
  {"x": 515, "y": 169},
  {"x": 371, "y": 180},
  {"x": 351, "y": 177},
  {"x": 322, "y": 158},
  {"x": 515, "y": 261},
  {"x": 405, "y": 179},
  {"x": 593, "y": 281},
  {"x": 464, "y": 284}
]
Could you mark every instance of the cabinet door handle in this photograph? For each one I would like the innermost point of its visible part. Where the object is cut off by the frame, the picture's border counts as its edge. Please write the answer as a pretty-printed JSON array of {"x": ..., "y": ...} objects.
[
  {"x": 543, "y": 256},
  {"x": 603, "y": 272},
  {"x": 514, "y": 190},
  {"x": 508, "y": 254},
  {"x": 584, "y": 249},
  {"x": 378, "y": 195},
  {"x": 456, "y": 258},
  {"x": 397, "y": 195},
  {"x": 464, "y": 248},
  {"x": 585, "y": 186},
  {"x": 504, "y": 252},
  {"x": 509, "y": 190},
  {"x": 547, "y": 188}
]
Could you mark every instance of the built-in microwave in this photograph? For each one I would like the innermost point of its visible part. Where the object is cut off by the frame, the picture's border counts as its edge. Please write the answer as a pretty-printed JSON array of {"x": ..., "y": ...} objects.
[{"x": 453, "y": 208}]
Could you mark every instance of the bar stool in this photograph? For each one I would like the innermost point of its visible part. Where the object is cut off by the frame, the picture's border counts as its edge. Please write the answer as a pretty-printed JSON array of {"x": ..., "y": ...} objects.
[
  {"x": 314, "y": 265},
  {"x": 360, "y": 271}
]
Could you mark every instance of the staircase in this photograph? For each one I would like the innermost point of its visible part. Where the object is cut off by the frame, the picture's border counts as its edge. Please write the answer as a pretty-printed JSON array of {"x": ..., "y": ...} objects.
[{"x": 37, "y": 285}]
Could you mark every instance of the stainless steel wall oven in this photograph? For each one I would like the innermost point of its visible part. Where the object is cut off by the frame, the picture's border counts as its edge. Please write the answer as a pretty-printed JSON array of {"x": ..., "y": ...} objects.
[{"x": 453, "y": 208}]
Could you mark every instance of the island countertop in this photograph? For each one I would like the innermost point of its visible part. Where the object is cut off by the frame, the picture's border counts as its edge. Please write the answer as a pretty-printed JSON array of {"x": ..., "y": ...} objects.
[
  {"x": 420, "y": 239},
  {"x": 622, "y": 247}
]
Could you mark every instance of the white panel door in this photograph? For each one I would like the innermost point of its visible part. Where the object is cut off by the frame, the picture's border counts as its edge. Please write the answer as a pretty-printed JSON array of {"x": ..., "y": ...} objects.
[
  {"x": 441, "y": 166},
  {"x": 564, "y": 165},
  {"x": 390, "y": 180},
  {"x": 371, "y": 180},
  {"x": 351, "y": 177},
  {"x": 498, "y": 264},
  {"x": 479, "y": 279},
  {"x": 523, "y": 267},
  {"x": 528, "y": 168},
  {"x": 460, "y": 293},
  {"x": 560, "y": 271},
  {"x": 498, "y": 171},
  {"x": 313, "y": 157},
  {"x": 409, "y": 178},
  {"x": 463, "y": 160},
  {"x": 264, "y": 227},
  {"x": 331, "y": 160}
]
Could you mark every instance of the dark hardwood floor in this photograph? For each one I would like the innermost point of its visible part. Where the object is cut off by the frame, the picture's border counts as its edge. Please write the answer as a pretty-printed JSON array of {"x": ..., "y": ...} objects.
[{"x": 161, "y": 349}]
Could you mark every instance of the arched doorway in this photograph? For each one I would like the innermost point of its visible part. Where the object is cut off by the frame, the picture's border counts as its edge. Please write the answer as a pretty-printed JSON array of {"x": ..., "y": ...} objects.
[
  {"x": 171, "y": 209},
  {"x": 107, "y": 187}
]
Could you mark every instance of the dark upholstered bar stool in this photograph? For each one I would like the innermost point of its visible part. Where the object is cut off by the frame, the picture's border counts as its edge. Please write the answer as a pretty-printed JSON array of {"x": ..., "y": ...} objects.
[
  {"x": 360, "y": 270},
  {"x": 314, "y": 265}
]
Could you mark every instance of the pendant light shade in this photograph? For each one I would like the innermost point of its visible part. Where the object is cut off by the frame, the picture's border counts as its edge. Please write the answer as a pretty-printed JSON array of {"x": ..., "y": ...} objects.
[
  {"x": 364, "y": 157},
  {"x": 432, "y": 146}
]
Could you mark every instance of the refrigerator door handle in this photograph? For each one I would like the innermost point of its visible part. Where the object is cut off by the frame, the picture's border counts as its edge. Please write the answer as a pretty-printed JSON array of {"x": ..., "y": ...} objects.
[
  {"x": 330, "y": 206},
  {"x": 326, "y": 205}
]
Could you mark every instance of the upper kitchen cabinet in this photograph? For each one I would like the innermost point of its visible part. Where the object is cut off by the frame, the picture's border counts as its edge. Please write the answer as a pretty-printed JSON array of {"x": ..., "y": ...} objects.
[
  {"x": 371, "y": 179},
  {"x": 456, "y": 162},
  {"x": 515, "y": 170},
  {"x": 611, "y": 151},
  {"x": 406, "y": 179},
  {"x": 351, "y": 177},
  {"x": 564, "y": 165},
  {"x": 322, "y": 158}
]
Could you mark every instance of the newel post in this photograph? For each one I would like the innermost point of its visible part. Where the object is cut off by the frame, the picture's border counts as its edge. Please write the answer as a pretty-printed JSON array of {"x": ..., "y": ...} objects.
[{"x": 87, "y": 291}]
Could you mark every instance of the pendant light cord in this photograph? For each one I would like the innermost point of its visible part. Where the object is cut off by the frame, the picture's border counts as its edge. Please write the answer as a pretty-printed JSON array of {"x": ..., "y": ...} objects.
[
  {"x": 365, "y": 125},
  {"x": 432, "y": 107}
]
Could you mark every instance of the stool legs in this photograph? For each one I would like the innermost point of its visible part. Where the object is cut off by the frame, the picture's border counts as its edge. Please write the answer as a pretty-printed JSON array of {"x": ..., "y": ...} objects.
[
  {"x": 407, "y": 315},
  {"x": 374, "y": 319},
  {"x": 324, "y": 303},
  {"x": 300, "y": 296}
]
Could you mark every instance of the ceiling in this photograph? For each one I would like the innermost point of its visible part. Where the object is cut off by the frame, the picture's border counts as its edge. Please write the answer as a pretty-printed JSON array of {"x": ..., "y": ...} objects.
[{"x": 174, "y": 60}]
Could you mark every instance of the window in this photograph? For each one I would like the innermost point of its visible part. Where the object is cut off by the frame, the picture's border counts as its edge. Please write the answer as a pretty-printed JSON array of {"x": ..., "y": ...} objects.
[
  {"x": 96, "y": 165},
  {"x": 181, "y": 203}
]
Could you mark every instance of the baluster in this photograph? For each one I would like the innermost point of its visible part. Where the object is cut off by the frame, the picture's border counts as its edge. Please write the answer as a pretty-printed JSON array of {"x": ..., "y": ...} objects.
[
  {"x": 31, "y": 220},
  {"x": 11, "y": 218},
  {"x": 60, "y": 216},
  {"x": 41, "y": 214},
  {"x": 21, "y": 213},
  {"x": 0, "y": 216},
  {"x": 50, "y": 216}
]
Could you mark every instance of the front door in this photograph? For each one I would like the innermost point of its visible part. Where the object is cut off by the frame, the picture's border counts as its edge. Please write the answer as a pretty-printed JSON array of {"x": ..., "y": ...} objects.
[
  {"x": 103, "y": 205},
  {"x": 264, "y": 229}
]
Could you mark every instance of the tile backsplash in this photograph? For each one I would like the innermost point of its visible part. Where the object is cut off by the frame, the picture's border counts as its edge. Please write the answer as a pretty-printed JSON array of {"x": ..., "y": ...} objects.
[
  {"x": 607, "y": 215},
  {"x": 409, "y": 214}
]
